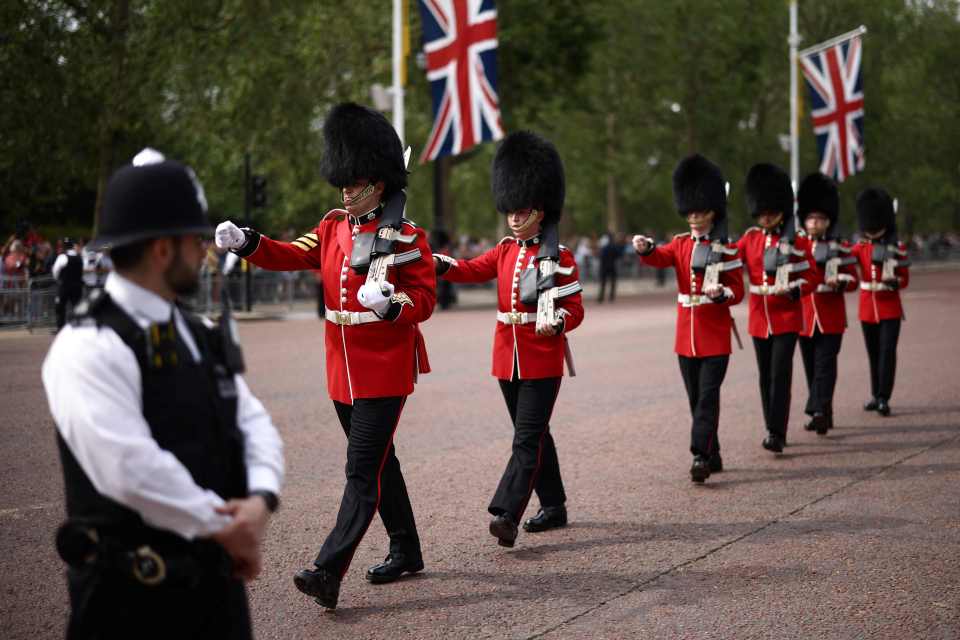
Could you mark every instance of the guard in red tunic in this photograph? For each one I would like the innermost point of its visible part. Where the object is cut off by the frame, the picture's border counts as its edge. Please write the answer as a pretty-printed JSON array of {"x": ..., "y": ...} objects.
[
  {"x": 781, "y": 269},
  {"x": 538, "y": 302},
  {"x": 824, "y": 310},
  {"x": 709, "y": 281},
  {"x": 379, "y": 283},
  {"x": 883, "y": 272}
]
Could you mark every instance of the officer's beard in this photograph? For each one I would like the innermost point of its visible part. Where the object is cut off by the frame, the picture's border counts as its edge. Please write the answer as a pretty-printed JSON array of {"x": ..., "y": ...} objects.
[{"x": 179, "y": 276}]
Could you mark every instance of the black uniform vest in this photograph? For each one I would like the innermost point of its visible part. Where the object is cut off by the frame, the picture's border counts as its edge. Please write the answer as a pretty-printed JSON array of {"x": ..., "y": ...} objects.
[
  {"x": 191, "y": 409},
  {"x": 71, "y": 276}
]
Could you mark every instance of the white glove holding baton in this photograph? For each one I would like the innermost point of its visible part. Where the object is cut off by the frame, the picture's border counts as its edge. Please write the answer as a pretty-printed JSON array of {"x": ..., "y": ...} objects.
[
  {"x": 229, "y": 236},
  {"x": 374, "y": 298},
  {"x": 642, "y": 244}
]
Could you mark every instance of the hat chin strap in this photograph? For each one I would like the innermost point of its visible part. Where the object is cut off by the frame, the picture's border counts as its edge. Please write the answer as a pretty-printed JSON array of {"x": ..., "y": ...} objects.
[
  {"x": 363, "y": 195},
  {"x": 530, "y": 221}
]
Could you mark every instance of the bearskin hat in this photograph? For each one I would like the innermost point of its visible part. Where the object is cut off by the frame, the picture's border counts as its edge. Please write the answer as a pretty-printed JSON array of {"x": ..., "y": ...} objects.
[
  {"x": 769, "y": 189},
  {"x": 818, "y": 194},
  {"x": 528, "y": 172},
  {"x": 875, "y": 210},
  {"x": 361, "y": 144},
  {"x": 698, "y": 185}
]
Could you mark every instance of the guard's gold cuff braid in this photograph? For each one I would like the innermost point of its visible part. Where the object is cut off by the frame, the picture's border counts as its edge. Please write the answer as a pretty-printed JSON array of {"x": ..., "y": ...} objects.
[{"x": 402, "y": 299}]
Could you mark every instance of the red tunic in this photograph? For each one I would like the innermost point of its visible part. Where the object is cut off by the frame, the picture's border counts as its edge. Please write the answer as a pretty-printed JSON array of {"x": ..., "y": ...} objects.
[
  {"x": 536, "y": 356},
  {"x": 703, "y": 327},
  {"x": 827, "y": 310},
  {"x": 774, "y": 314},
  {"x": 373, "y": 360},
  {"x": 878, "y": 305}
]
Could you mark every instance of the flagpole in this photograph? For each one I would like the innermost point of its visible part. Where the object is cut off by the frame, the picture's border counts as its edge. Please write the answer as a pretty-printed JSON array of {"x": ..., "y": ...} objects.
[
  {"x": 826, "y": 44},
  {"x": 397, "y": 90},
  {"x": 794, "y": 40}
]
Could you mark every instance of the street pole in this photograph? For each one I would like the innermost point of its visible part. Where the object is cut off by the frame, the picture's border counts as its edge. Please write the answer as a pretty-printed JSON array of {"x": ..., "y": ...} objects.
[
  {"x": 248, "y": 221},
  {"x": 397, "y": 90},
  {"x": 794, "y": 41}
]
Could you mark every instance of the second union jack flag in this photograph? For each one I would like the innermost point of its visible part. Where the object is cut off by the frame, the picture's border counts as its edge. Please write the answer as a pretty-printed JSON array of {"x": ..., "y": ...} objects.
[
  {"x": 836, "y": 94},
  {"x": 460, "y": 43}
]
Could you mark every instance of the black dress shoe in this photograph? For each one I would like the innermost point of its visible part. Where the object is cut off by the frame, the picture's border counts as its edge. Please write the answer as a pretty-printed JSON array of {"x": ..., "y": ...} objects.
[
  {"x": 872, "y": 405},
  {"x": 323, "y": 585},
  {"x": 504, "y": 529},
  {"x": 716, "y": 463},
  {"x": 700, "y": 470},
  {"x": 818, "y": 423},
  {"x": 883, "y": 408},
  {"x": 829, "y": 419},
  {"x": 811, "y": 425},
  {"x": 394, "y": 566},
  {"x": 547, "y": 518},
  {"x": 773, "y": 443}
]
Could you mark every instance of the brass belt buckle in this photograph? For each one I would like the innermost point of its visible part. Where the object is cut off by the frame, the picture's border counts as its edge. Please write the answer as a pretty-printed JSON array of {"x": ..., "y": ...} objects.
[
  {"x": 694, "y": 300},
  {"x": 148, "y": 567},
  {"x": 514, "y": 317},
  {"x": 343, "y": 317}
]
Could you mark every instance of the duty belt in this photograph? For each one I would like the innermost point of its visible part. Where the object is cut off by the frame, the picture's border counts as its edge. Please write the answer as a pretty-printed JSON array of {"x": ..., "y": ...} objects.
[
  {"x": 350, "y": 318},
  {"x": 874, "y": 286},
  {"x": 516, "y": 317}
]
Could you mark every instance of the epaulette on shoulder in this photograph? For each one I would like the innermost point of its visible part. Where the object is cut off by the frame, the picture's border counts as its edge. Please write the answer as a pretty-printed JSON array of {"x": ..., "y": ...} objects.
[
  {"x": 681, "y": 235},
  {"x": 752, "y": 229},
  {"x": 410, "y": 222},
  {"x": 504, "y": 239},
  {"x": 564, "y": 247}
]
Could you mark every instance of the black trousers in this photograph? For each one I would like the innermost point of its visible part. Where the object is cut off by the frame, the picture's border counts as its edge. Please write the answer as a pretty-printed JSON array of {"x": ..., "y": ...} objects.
[
  {"x": 775, "y": 364},
  {"x": 374, "y": 483},
  {"x": 65, "y": 296},
  {"x": 702, "y": 377},
  {"x": 819, "y": 353},
  {"x": 881, "y": 342},
  {"x": 533, "y": 464},
  {"x": 106, "y": 606},
  {"x": 608, "y": 275}
]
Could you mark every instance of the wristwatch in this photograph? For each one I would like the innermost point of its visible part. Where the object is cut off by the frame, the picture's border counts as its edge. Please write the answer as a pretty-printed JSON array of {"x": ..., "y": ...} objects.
[{"x": 273, "y": 502}]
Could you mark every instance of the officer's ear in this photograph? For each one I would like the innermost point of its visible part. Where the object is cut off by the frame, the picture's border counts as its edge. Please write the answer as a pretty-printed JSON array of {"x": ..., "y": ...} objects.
[{"x": 162, "y": 251}]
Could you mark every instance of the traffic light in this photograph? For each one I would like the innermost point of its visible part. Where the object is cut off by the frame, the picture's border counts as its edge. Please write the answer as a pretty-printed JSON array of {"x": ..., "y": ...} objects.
[{"x": 258, "y": 191}]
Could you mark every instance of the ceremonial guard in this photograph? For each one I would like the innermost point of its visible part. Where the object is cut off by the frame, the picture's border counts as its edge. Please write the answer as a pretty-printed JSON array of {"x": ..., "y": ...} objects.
[
  {"x": 378, "y": 284},
  {"x": 538, "y": 303},
  {"x": 68, "y": 272},
  {"x": 884, "y": 271},
  {"x": 824, "y": 310},
  {"x": 171, "y": 466},
  {"x": 709, "y": 282},
  {"x": 780, "y": 268}
]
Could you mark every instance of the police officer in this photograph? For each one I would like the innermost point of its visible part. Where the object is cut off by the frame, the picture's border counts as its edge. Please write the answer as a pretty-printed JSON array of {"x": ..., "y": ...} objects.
[
  {"x": 68, "y": 272},
  {"x": 703, "y": 307},
  {"x": 374, "y": 348},
  {"x": 884, "y": 271},
  {"x": 171, "y": 466},
  {"x": 824, "y": 310},
  {"x": 528, "y": 186},
  {"x": 769, "y": 252}
]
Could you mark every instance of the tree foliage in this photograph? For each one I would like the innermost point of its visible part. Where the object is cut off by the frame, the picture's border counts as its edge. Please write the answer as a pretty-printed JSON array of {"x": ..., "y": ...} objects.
[{"x": 624, "y": 87}]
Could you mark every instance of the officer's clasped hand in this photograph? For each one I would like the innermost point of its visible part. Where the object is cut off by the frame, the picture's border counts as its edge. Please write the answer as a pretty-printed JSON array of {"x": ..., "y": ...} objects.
[
  {"x": 372, "y": 297},
  {"x": 229, "y": 236}
]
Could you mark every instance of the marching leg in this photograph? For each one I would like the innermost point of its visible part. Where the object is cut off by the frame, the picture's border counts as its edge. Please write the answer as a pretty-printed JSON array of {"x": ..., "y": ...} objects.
[
  {"x": 781, "y": 380},
  {"x": 889, "y": 336},
  {"x": 871, "y": 338},
  {"x": 808, "y": 348}
]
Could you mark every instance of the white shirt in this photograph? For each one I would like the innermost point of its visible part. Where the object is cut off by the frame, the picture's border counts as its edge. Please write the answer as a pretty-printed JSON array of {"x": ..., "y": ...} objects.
[{"x": 93, "y": 386}]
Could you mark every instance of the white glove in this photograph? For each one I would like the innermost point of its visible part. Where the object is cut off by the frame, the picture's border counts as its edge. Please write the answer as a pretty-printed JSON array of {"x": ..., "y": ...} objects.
[
  {"x": 370, "y": 296},
  {"x": 229, "y": 236}
]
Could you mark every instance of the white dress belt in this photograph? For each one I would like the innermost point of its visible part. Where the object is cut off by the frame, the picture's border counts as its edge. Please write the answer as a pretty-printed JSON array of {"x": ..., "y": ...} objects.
[
  {"x": 516, "y": 317},
  {"x": 351, "y": 317},
  {"x": 767, "y": 289},
  {"x": 688, "y": 300},
  {"x": 874, "y": 286}
]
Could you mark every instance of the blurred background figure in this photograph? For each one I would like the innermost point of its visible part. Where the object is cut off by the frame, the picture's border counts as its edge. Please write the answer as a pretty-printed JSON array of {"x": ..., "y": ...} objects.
[
  {"x": 68, "y": 272},
  {"x": 611, "y": 250}
]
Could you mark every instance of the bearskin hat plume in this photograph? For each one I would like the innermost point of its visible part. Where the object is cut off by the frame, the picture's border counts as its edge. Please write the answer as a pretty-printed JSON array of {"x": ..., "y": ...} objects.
[
  {"x": 768, "y": 189},
  {"x": 361, "y": 144},
  {"x": 528, "y": 173}
]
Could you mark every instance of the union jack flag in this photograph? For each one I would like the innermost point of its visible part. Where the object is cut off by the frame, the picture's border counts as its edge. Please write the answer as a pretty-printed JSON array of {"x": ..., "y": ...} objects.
[
  {"x": 460, "y": 43},
  {"x": 836, "y": 94}
]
